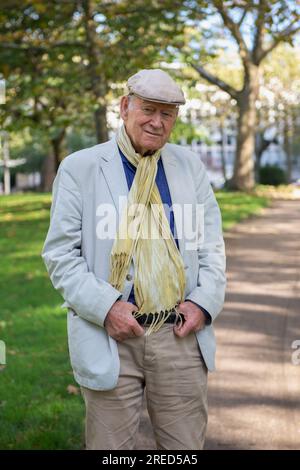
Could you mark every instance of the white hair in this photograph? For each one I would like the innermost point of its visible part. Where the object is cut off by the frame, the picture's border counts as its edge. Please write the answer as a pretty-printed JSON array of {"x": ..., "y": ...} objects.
[{"x": 130, "y": 101}]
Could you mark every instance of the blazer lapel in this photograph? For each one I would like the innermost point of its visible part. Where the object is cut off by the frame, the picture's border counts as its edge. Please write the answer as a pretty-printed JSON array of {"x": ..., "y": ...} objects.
[{"x": 114, "y": 174}]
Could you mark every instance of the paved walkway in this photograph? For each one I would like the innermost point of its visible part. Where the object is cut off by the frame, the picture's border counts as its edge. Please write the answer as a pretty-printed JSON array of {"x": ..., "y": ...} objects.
[{"x": 254, "y": 397}]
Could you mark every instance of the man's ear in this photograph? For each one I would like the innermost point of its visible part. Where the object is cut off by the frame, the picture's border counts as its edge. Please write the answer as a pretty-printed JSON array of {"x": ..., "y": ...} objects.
[{"x": 124, "y": 107}]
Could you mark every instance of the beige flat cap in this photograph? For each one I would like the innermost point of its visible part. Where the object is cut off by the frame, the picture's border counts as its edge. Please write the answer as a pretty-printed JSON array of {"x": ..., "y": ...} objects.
[{"x": 155, "y": 85}]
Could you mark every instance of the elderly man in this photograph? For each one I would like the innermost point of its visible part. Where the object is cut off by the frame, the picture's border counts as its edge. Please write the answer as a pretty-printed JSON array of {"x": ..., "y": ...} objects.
[{"x": 141, "y": 293}]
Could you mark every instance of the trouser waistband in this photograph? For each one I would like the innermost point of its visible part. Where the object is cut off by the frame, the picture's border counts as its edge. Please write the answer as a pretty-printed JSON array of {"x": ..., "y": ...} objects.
[{"x": 148, "y": 319}]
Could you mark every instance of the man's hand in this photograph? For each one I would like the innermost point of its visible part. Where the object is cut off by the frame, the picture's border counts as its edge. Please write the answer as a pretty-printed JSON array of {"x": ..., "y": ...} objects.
[
  {"x": 120, "y": 323},
  {"x": 194, "y": 319}
]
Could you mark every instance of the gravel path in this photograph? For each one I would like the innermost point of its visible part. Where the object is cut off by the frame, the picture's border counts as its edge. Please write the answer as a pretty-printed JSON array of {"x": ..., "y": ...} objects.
[{"x": 254, "y": 397}]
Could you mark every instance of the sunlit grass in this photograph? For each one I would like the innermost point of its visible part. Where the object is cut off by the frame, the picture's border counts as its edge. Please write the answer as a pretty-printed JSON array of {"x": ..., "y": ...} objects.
[
  {"x": 236, "y": 206},
  {"x": 36, "y": 410}
]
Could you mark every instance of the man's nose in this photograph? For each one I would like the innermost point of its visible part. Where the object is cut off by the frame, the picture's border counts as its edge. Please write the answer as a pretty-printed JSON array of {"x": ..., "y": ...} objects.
[{"x": 156, "y": 120}]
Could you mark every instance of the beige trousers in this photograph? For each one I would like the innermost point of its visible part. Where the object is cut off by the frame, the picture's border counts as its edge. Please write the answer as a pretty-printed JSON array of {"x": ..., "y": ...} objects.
[{"x": 175, "y": 376}]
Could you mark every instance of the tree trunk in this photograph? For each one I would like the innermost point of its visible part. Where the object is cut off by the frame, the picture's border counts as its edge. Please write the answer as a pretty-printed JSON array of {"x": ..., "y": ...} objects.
[
  {"x": 258, "y": 154},
  {"x": 48, "y": 172},
  {"x": 51, "y": 162},
  {"x": 57, "y": 147},
  {"x": 287, "y": 146},
  {"x": 6, "y": 169},
  {"x": 223, "y": 151},
  {"x": 243, "y": 176},
  {"x": 97, "y": 78},
  {"x": 101, "y": 124}
]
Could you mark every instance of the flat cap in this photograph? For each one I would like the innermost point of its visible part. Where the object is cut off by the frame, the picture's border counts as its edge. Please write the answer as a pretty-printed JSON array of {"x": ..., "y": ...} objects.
[{"x": 155, "y": 85}]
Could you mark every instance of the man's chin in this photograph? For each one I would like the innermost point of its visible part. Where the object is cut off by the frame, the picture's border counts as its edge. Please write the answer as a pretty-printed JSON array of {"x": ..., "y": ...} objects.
[
  {"x": 153, "y": 144},
  {"x": 150, "y": 150}
]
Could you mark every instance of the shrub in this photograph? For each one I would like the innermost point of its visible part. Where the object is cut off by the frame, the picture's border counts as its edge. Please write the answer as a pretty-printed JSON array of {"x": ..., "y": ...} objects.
[{"x": 272, "y": 174}]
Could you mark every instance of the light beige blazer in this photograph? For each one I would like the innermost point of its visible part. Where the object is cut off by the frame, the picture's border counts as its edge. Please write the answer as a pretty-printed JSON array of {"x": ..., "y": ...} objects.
[{"x": 77, "y": 258}]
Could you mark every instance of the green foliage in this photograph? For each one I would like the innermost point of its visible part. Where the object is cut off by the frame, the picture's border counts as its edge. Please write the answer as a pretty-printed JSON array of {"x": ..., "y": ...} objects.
[
  {"x": 272, "y": 175},
  {"x": 54, "y": 55},
  {"x": 55, "y": 84},
  {"x": 31, "y": 144},
  {"x": 77, "y": 140},
  {"x": 188, "y": 132}
]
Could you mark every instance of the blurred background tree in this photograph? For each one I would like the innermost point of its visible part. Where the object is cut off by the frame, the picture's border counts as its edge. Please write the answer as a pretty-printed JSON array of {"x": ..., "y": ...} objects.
[
  {"x": 281, "y": 78},
  {"x": 65, "y": 63},
  {"x": 257, "y": 28},
  {"x": 60, "y": 61}
]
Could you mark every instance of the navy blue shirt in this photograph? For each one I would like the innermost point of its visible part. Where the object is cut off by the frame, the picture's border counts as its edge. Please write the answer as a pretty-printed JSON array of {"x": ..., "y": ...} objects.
[{"x": 165, "y": 195}]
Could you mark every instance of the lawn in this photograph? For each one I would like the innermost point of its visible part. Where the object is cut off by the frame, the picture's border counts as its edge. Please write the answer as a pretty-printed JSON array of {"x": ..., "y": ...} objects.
[
  {"x": 236, "y": 206},
  {"x": 37, "y": 410}
]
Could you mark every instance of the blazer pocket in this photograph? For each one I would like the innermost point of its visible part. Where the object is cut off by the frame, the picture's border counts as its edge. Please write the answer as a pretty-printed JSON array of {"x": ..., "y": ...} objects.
[{"x": 93, "y": 354}]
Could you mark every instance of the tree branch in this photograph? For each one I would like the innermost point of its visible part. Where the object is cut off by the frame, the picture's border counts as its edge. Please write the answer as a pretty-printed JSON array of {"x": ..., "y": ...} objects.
[
  {"x": 242, "y": 17},
  {"x": 235, "y": 31},
  {"x": 289, "y": 31},
  {"x": 216, "y": 81},
  {"x": 259, "y": 28}
]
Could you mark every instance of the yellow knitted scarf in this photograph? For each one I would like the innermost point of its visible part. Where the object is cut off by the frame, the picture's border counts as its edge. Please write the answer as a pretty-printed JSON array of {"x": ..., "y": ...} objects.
[{"x": 144, "y": 236}]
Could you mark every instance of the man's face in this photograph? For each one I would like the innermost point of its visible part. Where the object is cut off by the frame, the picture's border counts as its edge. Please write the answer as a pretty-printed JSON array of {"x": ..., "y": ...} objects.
[{"x": 148, "y": 124}]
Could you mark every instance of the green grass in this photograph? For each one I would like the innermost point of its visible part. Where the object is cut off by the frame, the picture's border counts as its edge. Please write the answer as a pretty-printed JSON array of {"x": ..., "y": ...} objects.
[
  {"x": 236, "y": 206},
  {"x": 36, "y": 410}
]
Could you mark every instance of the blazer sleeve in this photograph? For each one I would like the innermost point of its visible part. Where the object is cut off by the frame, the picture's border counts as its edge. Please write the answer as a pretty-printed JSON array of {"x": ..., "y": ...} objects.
[
  {"x": 211, "y": 283},
  {"x": 90, "y": 297}
]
